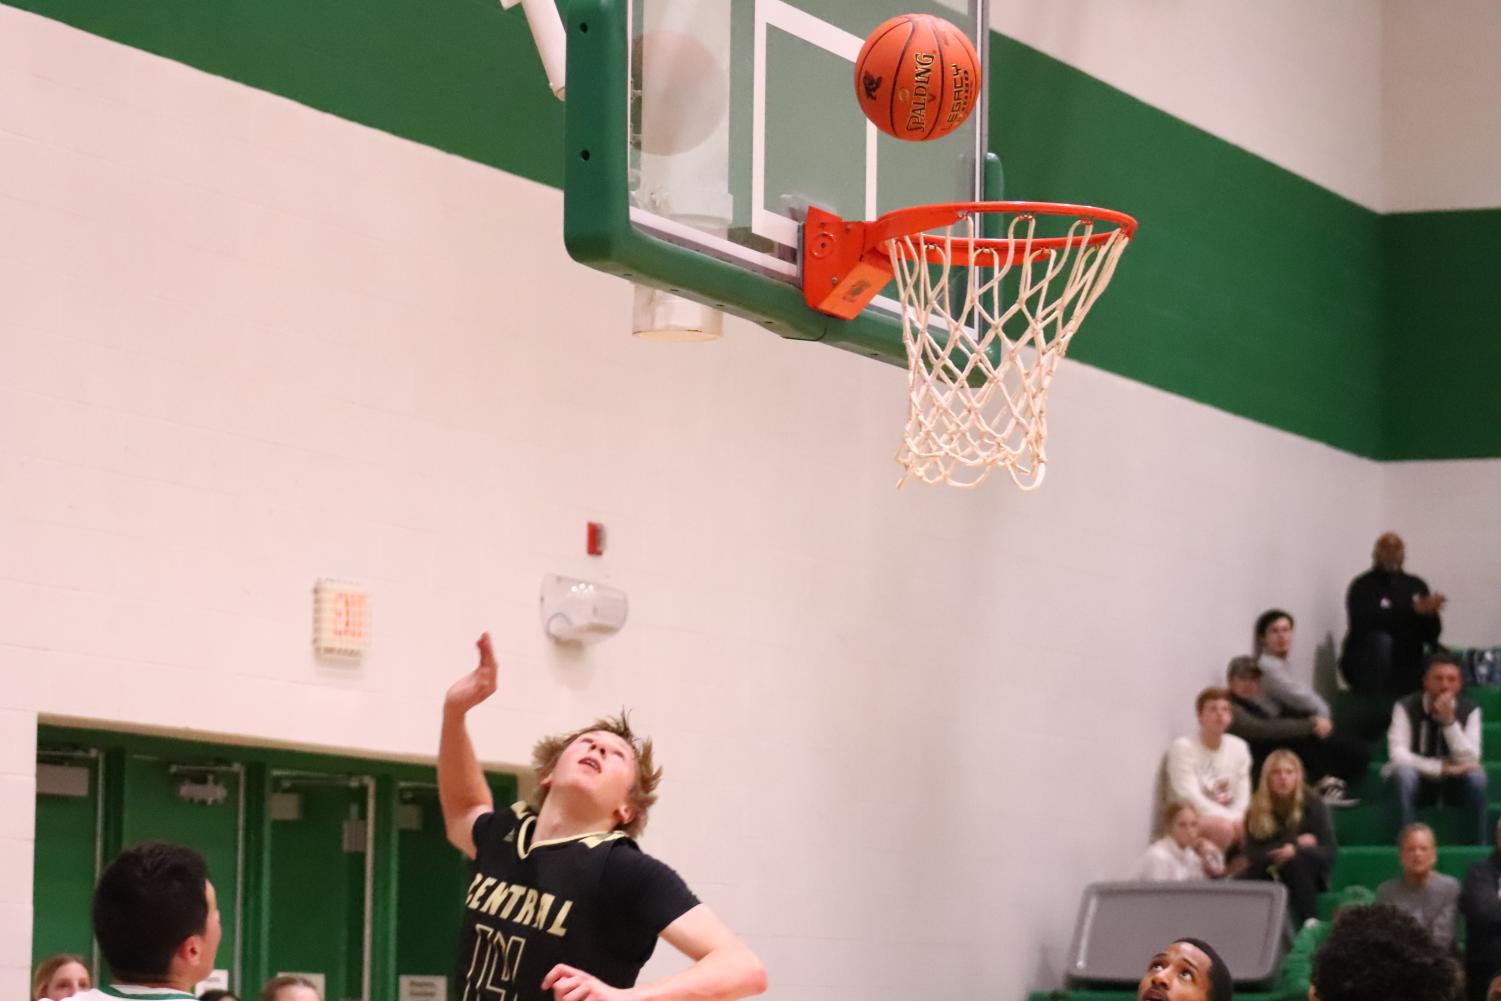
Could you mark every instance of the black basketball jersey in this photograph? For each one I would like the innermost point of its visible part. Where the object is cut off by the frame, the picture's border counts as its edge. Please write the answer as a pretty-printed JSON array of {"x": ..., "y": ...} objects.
[{"x": 595, "y": 902}]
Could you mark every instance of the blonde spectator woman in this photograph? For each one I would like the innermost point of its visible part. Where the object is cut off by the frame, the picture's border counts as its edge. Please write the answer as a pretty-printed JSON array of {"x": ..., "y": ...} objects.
[
  {"x": 1289, "y": 837},
  {"x": 61, "y": 976},
  {"x": 1180, "y": 854},
  {"x": 289, "y": 987}
]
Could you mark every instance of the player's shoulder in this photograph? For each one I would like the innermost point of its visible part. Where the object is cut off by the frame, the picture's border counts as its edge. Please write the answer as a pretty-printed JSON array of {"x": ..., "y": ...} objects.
[
  {"x": 511, "y": 816},
  {"x": 498, "y": 826},
  {"x": 127, "y": 992},
  {"x": 628, "y": 862},
  {"x": 95, "y": 994},
  {"x": 632, "y": 878}
]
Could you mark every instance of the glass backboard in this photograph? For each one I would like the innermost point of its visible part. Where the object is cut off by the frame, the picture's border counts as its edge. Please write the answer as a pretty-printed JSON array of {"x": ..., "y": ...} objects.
[{"x": 699, "y": 131}]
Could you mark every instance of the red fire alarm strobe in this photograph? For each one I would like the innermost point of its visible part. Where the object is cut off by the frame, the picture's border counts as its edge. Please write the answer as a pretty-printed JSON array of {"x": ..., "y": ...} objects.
[{"x": 596, "y": 539}]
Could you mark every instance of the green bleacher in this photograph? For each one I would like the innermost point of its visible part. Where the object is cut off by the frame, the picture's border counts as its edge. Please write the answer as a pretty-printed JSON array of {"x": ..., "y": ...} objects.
[{"x": 1368, "y": 853}]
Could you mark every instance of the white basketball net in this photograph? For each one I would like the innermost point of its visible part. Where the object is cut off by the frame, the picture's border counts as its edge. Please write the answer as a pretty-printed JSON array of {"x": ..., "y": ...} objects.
[{"x": 983, "y": 341}]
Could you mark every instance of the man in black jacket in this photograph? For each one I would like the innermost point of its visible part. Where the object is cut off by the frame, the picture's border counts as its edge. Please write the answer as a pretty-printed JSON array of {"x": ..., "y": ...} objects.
[
  {"x": 1392, "y": 620},
  {"x": 1480, "y": 903}
]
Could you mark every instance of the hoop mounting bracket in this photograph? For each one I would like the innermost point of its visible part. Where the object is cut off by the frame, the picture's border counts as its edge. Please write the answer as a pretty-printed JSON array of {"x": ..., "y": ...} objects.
[{"x": 841, "y": 272}]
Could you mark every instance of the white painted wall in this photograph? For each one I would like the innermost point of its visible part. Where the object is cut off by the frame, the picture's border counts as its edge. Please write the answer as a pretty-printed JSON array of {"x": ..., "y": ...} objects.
[
  {"x": 244, "y": 344},
  {"x": 17, "y": 827},
  {"x": 1294, "y": 82},
  {"x": 1391, "y": 105},
  {"x": 1441, "y": 116},
  {"x": 1449, "y": 514}
]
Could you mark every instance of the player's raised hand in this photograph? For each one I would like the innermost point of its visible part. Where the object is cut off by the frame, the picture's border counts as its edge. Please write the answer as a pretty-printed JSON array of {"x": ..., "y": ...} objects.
[
  {"x": 476, "y": 686},
  {"x": 569, "y": 983}
]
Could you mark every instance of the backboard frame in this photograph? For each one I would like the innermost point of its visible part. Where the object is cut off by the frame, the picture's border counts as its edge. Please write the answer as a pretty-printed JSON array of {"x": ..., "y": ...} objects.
[{"x": 597, "y": 224}]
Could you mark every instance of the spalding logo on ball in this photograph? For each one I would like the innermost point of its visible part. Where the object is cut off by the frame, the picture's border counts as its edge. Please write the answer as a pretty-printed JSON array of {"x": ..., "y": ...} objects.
[{"x": 917, "y": 77}]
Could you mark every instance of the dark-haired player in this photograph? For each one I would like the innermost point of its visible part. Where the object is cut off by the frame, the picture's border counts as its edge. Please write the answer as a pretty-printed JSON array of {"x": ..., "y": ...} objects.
[
  {"x": 561, "y": 900},
  {"x": 1187, "y": 970},
  {"x": 1378, "y": 953},
  {"x": 157, "y": 923}
]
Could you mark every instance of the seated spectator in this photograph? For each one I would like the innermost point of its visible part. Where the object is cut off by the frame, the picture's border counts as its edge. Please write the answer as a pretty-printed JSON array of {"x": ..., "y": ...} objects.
[
  {"x": 1332, "y": 759},
  {"x": 1434, "y": 746},
  {"x": 1180, "y": 854},
  {"x": 61, "y": 976},
  {"x": 1212, "y": 771},
  {"x": 289, "y": 987},
  {"x": 1274, "y": 642},
  {"x": 1392, "y": 621},
  {"x": 1187, "y": 970},
  {"x": 1480, "y": 903},
  {"x": 1493, "y": 992},
  {"x": 1431, "y": 898},
  {"x": 1378, "y": 953},
  {"x": 1289, "y": 836}
]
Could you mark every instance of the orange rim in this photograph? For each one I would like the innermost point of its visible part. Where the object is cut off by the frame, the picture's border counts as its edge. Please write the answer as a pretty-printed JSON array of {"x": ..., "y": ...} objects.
[{"x": 917, "y": 220}]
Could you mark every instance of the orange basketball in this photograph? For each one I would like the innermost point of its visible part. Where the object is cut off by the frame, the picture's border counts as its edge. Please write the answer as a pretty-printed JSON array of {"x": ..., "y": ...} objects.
[{"x": 917, "y": 77}]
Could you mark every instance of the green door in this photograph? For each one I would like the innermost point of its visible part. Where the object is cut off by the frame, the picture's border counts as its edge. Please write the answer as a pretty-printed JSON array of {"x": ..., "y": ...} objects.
[
  {"x": 319, "y": 880},
  {"x": 66, "y": 859},
  {"x": 198, "y": 803},
  {"x": 430, "y": 880},
  {"x": 306, "y": 882}
]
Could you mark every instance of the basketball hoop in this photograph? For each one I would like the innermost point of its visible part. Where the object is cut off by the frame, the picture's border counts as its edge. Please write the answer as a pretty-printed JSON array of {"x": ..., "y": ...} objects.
[{"x": 985, "y": 320}]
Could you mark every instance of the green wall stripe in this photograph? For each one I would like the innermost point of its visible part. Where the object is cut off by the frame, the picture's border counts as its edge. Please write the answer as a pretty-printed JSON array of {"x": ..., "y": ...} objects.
[
  {"x": 1248, "y": 288},
  {"x": 1443, "y": 384},
  {"x": 459, "y": 75}
]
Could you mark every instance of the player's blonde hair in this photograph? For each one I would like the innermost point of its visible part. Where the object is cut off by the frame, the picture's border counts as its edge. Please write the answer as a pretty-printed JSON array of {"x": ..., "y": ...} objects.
[{"x": 643, "y": 791}]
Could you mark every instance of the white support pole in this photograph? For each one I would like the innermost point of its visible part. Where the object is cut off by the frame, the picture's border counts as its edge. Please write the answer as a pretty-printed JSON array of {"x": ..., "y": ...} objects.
[{"x": 552, "y": 44}]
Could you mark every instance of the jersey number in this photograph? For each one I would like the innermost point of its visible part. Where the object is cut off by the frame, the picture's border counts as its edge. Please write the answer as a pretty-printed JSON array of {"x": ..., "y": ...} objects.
[{"x": 493, "y": 966}]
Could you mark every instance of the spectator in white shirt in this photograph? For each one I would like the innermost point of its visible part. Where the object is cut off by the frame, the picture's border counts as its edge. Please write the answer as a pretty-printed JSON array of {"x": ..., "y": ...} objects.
[
  {"x": 1434, "y": 747},
  {"x": 1180, "y": 854},
  {"x": 1212, "y": 771}
]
